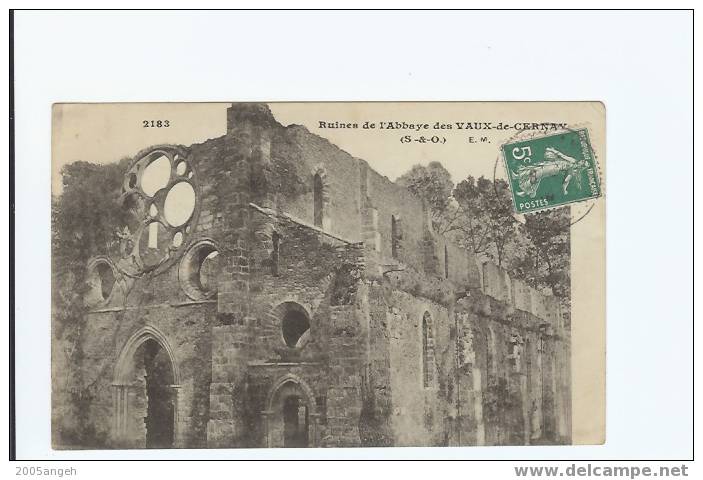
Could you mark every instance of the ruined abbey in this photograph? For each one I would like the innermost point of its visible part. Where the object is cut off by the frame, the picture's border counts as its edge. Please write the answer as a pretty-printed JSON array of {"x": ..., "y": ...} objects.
[{"x": 272, "y": 290}]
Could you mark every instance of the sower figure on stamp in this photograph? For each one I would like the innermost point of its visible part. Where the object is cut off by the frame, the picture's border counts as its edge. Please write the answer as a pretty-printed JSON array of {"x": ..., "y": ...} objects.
[{"x": 555, "y": 163}]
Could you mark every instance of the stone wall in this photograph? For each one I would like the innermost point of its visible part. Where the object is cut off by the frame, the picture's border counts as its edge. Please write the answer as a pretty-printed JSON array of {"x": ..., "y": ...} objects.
[
  {"x": 250, "y": 356},
  {"x": 185, "y": 327},
  {"x": 419, "y": 409},
  {"x": 387, "y": 200},
  {"x": 299, "y": 155},
  {"x": 495, "y": 368}
]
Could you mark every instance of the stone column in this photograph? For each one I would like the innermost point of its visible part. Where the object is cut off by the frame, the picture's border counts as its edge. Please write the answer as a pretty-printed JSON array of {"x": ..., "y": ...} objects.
[
  {"x": 120, "y": 403},
  {"x": 478, "y": 406},
  {"x": 177, "y": 437},
  {"x": 265, "y": 416},
  {"x": 525, "y": 396},
  {"x": 314, "y": 427}
]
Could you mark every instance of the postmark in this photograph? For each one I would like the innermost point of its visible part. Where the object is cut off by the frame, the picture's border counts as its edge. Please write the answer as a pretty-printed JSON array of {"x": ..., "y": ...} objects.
[{"x": 551, "y": 171}]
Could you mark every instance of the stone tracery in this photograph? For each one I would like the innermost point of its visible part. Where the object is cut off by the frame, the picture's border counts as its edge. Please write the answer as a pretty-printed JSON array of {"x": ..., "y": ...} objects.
[{"x": 160, "y": 192}]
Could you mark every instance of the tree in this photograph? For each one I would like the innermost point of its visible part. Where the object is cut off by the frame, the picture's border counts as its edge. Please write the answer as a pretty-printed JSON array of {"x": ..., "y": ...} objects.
[
  {"x": 84, "y": 218},
  {"x": 486, "y": 219},
  {"x": 83, "y": 221},
  {"x": 478, "y": 215},
  {"x": 548, "y": 262},
  {"x": 434, "y": 185},
  {"x": 86, "y": 213},
  {"x": 470, "y": 217}
]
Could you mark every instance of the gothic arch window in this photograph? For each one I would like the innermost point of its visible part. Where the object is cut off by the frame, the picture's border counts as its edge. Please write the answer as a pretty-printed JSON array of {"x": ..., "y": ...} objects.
[
  {"x": 491, "y": 354},
  {"x": 427, "y": 350},
  {"x": 395, "y": 236},
  {"x": 320, "y": 197},
  {"x": 276, "y": 245},
  {"x": 528, "y": 362},
  {"x": 446, "y": 262},
  {"x": 317, "y": 189}
]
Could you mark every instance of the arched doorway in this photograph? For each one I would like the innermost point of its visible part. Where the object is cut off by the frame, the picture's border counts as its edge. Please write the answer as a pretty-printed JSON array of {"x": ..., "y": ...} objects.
[
  {"x": 146, "y": 392},
  {"x": 296, "y": 420},
  {"x": 160, "y": 405},
  {"x": 291, "y": 420}
]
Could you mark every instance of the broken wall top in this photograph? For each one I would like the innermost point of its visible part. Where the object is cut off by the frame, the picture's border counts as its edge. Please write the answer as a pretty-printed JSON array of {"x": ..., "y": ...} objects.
[{"x": 496, "y": 283}]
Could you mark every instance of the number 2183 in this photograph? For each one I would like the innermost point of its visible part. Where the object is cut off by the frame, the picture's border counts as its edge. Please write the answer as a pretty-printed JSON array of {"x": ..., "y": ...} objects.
[{"x": 155, "y": 123}]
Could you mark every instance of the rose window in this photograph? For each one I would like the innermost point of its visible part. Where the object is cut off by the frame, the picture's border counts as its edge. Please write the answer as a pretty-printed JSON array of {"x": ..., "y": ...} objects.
[{"x": 160, "y": 193}]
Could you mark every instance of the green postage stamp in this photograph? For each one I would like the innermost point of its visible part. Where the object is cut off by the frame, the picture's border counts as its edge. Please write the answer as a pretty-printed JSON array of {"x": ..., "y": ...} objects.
[{"x": 550, "y": 171}]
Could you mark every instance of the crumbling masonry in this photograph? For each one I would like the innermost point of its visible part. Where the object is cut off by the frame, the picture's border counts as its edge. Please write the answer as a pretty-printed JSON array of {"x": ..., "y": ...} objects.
[{"x": 304, "y": 300}]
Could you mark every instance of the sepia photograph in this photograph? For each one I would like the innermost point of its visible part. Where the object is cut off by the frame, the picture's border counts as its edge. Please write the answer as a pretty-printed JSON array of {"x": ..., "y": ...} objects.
[
  {"x": 292, "y": 275},
  {"x": 415, "y": 243}
]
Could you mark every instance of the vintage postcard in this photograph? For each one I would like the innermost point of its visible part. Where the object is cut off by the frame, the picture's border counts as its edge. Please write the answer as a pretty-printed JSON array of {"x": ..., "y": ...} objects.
[{"x": 264, "y": 275}]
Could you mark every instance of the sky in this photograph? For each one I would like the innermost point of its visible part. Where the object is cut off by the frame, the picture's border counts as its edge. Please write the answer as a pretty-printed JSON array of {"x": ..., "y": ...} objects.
[{"x": 103, "y": 133}]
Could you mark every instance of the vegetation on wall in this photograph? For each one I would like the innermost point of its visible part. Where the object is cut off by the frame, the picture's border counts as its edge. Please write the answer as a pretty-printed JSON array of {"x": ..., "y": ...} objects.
[
  {"x": 84, "y": 217},
  {"x": 374, "y": 417},
  {"x": 502, "y": 410},
  {"x": 345, "y": 284},
  {"x": 477, "y": 214},
  {"x": 84, "y": 220}
]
